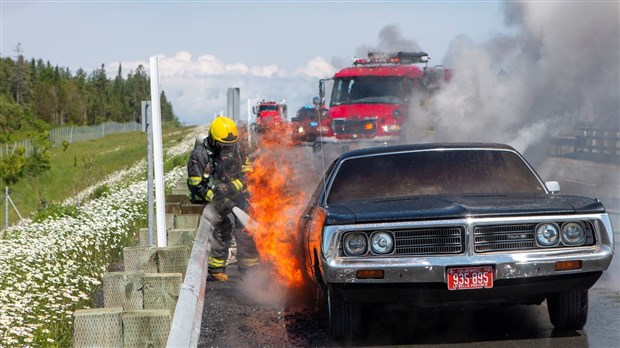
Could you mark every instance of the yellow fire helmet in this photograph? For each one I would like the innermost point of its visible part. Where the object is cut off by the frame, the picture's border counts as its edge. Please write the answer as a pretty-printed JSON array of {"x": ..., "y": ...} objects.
[{"x": 224, "y": 130}]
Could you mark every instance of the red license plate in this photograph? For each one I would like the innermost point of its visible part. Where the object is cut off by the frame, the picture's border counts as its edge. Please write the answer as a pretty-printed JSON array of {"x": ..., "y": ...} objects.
[{"x": 463, "y": 278}]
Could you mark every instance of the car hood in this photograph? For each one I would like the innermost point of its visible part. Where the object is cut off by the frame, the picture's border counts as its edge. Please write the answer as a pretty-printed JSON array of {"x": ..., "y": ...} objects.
[{"x": 453, "y": 207}]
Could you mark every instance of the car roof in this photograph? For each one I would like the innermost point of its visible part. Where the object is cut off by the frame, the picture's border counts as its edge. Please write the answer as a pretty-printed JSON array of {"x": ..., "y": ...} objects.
[{"x": 377, "y": 150}]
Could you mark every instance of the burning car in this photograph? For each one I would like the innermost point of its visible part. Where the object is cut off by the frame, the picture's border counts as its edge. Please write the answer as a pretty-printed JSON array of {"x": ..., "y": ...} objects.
[{"x": 450, "y": 225}]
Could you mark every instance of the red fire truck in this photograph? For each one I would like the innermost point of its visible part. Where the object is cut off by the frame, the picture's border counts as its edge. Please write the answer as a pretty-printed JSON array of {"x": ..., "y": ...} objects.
[
  {"x": 370, "y": 101},
  {"x": 269, "y": 114}
]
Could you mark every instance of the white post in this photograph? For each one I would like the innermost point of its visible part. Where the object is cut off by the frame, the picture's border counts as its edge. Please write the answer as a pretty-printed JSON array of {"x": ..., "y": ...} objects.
[
  {"x": 6, "y": 207},
  {"x": 158, "y": 158},
  {"x": 249, "y": 124}
]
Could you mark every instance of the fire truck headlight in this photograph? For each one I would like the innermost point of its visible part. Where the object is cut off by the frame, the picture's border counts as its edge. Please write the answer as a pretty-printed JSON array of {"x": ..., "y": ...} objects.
[
  {"x": 391, "y": 128},
  {"x": 300, "y": 129}
]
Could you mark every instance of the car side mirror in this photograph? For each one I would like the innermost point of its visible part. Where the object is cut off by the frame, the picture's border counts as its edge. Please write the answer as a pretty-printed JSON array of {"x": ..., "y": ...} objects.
[{"x": 552, "y": 186}]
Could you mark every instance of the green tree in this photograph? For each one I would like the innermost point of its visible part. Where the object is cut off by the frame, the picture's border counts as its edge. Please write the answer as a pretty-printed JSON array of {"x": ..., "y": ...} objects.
[
  {"x": 99, "y": 85},
  {"x": 39, "y": 160},
  {"x": 72, "y": 102},
  {"x": 139, "y": 90},
  {"x": 35, "y": 95},
  {"x": 46, "y": 102},
  {"x": 7, "y": 67},
  {"x": 12, "y": 166},
  {"x": 168, "y": 117}
]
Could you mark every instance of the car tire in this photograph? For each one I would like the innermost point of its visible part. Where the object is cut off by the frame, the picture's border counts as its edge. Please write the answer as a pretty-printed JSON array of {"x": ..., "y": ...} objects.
[
  {"x": 345, "y": 319},
  {"x": 568, "y": 310}
]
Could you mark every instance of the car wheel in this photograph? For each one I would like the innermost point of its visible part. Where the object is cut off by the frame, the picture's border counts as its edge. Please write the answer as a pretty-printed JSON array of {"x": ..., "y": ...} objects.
[
  {"x": 568, "y": 310},
  {"x": 345, "y": 319}
]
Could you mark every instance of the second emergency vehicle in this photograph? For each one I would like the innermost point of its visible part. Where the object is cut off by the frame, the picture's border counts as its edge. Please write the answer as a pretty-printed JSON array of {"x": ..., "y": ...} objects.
[{"x": 371, "y": 100}]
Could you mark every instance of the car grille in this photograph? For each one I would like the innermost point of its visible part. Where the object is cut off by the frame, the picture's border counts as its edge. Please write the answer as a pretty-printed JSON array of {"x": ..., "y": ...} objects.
[
  {"x": 505, "y": 237},
  {"x": 487, "y": 238},
  {"x": 513, "y": 237},
  {"x": 447, "y": 240},
  {"x": 365, "y": 126}
]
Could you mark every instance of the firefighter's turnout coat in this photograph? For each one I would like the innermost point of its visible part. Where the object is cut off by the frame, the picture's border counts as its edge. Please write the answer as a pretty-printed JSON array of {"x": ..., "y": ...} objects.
[{"x": 209, "y": 168}]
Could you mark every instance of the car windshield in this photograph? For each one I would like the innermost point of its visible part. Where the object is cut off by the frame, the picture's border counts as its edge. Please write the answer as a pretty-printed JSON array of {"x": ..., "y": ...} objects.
[
  {"x": 368, "y": 89},
  {"x": 421, "y": 173}
]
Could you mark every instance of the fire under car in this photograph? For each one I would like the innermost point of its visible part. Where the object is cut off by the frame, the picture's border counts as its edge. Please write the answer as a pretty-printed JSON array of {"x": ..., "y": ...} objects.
[{"x": 450, "y": 225}]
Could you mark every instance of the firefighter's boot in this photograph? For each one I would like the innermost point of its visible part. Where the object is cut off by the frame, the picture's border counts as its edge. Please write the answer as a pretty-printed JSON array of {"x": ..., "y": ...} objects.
[{"x": 219, "y": 277}]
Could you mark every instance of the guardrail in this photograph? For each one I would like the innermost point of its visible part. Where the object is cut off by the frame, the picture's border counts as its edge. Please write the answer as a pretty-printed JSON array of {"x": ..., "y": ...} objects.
[
  {"x": 187, "y": 319},
  {"x": 591, "y": 144},
  {"x": 157, "y": 300}
]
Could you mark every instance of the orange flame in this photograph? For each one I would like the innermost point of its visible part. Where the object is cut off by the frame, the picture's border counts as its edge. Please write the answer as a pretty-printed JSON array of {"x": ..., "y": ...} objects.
[{"x": 277, "y": 200}]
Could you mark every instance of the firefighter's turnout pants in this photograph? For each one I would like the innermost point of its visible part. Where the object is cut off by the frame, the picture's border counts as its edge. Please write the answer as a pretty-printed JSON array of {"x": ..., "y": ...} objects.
[{"x": 225, "y": 225}]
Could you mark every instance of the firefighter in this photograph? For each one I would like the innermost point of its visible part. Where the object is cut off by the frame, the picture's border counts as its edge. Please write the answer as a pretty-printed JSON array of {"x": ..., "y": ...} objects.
[{"x": 216, "y": 172}]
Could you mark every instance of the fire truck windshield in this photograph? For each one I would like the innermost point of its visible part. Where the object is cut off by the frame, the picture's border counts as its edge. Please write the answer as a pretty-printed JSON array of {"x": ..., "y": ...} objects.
[
  {"x": 267, "y": 108},
  {"x": 368, "y": 89}
]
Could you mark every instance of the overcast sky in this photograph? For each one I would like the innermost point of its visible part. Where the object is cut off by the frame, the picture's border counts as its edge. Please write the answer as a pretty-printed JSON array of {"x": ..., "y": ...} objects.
[{"x": 269, "y": 49}]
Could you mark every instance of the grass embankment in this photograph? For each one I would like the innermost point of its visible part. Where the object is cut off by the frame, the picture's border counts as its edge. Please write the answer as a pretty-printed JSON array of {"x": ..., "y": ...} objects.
[
  {"x": 79, "y": 166},
  {"x": 52, "y": 267}
]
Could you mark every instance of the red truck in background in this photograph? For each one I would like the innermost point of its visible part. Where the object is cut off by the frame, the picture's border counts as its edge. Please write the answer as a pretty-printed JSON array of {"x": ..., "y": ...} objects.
[
  {"x": 370, "y": 100},
  {"x": 269, "y": 114}
]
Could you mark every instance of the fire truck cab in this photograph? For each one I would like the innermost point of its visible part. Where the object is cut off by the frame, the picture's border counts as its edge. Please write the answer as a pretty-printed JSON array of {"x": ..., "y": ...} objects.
[
  {"x": 269, "y": 114},
  {"x": 370, "y": 100}
]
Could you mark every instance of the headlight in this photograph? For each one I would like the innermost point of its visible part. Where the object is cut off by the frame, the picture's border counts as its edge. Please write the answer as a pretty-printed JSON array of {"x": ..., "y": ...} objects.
[
  {"x": 573, "y": 234},
  {"x": 355, "y": 244},
  {"x": 547, "y": 235},
  {"x": 391, "y": 128},
  {"x": 300, "y": 130},
  {"x": 381, "y": 242}
]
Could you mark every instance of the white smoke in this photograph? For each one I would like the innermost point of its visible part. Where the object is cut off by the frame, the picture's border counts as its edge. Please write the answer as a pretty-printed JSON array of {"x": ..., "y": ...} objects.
[{"x": 559, "y": 70}]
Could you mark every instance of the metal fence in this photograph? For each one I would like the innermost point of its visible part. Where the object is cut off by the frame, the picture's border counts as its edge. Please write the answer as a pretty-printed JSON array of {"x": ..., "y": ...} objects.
[
  {"x": 73, "y": 134},
  {"x": 598, "y": 145}
]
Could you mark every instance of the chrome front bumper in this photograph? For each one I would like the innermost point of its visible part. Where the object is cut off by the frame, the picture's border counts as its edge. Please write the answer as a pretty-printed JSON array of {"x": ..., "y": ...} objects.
[{"x": 432, "y": 269}]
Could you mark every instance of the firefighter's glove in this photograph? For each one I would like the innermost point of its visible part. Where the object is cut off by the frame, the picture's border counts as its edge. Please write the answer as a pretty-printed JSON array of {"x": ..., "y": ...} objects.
[
  {"x": 224, "y": 189},
  {"x": 229, "y": 188}
]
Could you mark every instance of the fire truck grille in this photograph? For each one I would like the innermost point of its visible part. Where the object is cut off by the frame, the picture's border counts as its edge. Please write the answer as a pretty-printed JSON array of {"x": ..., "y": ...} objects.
[{"x": 366, "y": 126}]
